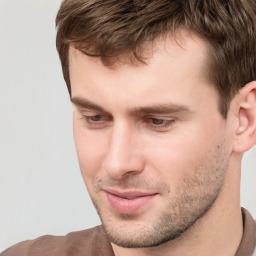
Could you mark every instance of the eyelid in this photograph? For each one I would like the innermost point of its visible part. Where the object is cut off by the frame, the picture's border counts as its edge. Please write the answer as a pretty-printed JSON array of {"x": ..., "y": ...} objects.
[
  {"x": 101, "y": 123},
  {"x": 92, "y": 112},
  {"x": 102, "y": 117},
  {"x": 160, "y": 117},
  {"x": 164, "y": 127}
]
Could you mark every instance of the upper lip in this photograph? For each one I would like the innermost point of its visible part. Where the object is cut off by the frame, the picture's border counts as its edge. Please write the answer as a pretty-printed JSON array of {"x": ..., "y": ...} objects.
[{"x": 129, "y": 193}]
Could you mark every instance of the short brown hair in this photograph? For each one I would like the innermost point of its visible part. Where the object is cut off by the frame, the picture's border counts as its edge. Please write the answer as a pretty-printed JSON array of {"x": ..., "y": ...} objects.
[{"x": 110, "y": 28}]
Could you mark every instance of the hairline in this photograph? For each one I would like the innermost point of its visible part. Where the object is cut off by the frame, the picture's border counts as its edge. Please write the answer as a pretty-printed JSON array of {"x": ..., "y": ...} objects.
[{"x": 126, "y": 58}]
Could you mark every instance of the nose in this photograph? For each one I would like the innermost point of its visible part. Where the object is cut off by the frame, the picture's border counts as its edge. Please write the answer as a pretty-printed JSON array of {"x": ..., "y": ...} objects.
[{"x": 123, "y": 156}]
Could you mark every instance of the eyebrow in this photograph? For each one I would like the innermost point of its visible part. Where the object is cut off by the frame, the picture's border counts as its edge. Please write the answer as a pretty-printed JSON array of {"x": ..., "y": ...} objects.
[
  {"x": 84, "y": 103},
  {"x": 162, "y": 108}
]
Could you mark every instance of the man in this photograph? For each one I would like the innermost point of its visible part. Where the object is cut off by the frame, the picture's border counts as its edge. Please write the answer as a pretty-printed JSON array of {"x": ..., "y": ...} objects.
[{"x": 164, "y": 98}]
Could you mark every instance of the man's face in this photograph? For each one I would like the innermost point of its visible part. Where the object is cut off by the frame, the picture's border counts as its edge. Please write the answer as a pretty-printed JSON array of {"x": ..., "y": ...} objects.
[{"x": 152, "y": 146}]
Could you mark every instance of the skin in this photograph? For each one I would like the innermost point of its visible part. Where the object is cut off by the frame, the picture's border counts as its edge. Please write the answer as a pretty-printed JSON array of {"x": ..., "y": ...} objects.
[{"x": 156, "y": 128}]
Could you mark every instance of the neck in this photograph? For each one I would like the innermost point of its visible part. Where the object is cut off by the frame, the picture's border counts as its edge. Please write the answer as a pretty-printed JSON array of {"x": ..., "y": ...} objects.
[{"x": 218, "y": 232}]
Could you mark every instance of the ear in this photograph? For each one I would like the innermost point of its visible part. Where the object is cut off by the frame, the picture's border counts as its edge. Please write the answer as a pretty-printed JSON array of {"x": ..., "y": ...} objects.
[{"x": 246, "y": 114}]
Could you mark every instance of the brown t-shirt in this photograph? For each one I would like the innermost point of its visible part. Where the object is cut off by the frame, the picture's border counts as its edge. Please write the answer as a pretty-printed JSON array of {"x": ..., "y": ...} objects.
[{"x": 93, "y": 242}]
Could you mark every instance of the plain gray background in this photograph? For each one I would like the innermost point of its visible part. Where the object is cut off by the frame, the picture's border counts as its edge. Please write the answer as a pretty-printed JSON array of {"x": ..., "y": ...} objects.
[{"x": 41, "y": 189}]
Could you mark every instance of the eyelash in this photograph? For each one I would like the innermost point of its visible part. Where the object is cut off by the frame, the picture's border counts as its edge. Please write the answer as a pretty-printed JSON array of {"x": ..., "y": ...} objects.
[
  {"x": 166, "y": 122},
  {"x": 93, "y": 123},
  {"x": 97, "y": 124}
]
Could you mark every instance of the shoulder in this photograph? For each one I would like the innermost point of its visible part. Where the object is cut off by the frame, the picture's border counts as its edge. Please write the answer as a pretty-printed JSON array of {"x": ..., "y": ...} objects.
[
  {"x": 74, "y": 243},
  {"x": 248, "y": 242}
]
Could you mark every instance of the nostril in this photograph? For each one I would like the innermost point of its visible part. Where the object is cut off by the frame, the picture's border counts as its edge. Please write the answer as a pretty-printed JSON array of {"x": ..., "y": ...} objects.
[{"x": 123, "y": 167}]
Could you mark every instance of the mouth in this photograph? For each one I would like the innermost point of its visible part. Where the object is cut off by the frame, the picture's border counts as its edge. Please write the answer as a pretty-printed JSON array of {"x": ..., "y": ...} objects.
[{"x": 128, "y": 202}]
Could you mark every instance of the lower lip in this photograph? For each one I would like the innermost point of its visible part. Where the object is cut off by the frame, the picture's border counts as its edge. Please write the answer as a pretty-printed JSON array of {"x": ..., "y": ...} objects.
[{"x": 128, "y": 206}]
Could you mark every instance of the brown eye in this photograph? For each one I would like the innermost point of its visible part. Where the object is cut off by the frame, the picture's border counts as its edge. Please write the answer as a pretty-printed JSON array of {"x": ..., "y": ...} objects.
[
  {"x": 97, "y": 121},
  {"x": 156, "y": 121},
  {"x": 159, "y": 124},
  {"x": 95, "y": 118}
]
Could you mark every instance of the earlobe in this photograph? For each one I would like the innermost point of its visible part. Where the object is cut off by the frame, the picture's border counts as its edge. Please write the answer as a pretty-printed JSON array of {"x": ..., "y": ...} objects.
[{"x": 246, "y": 130}]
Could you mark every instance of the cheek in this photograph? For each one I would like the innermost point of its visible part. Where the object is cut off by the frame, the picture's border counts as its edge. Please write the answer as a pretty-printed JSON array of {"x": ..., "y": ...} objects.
[
  {"x": 172, "y": 163},
  {"x": 179, "y": 155}
]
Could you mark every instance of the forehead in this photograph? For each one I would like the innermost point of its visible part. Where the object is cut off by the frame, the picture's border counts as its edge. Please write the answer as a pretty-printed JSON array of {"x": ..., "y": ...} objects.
[{"x": 174, "y": 65}]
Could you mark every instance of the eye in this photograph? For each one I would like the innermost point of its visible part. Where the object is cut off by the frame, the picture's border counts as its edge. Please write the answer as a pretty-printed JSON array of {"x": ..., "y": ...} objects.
[
  {"x": 95, "y": 118},
  {"x": 96, "y": 121},
  {"x": 159, "y": 124}
]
